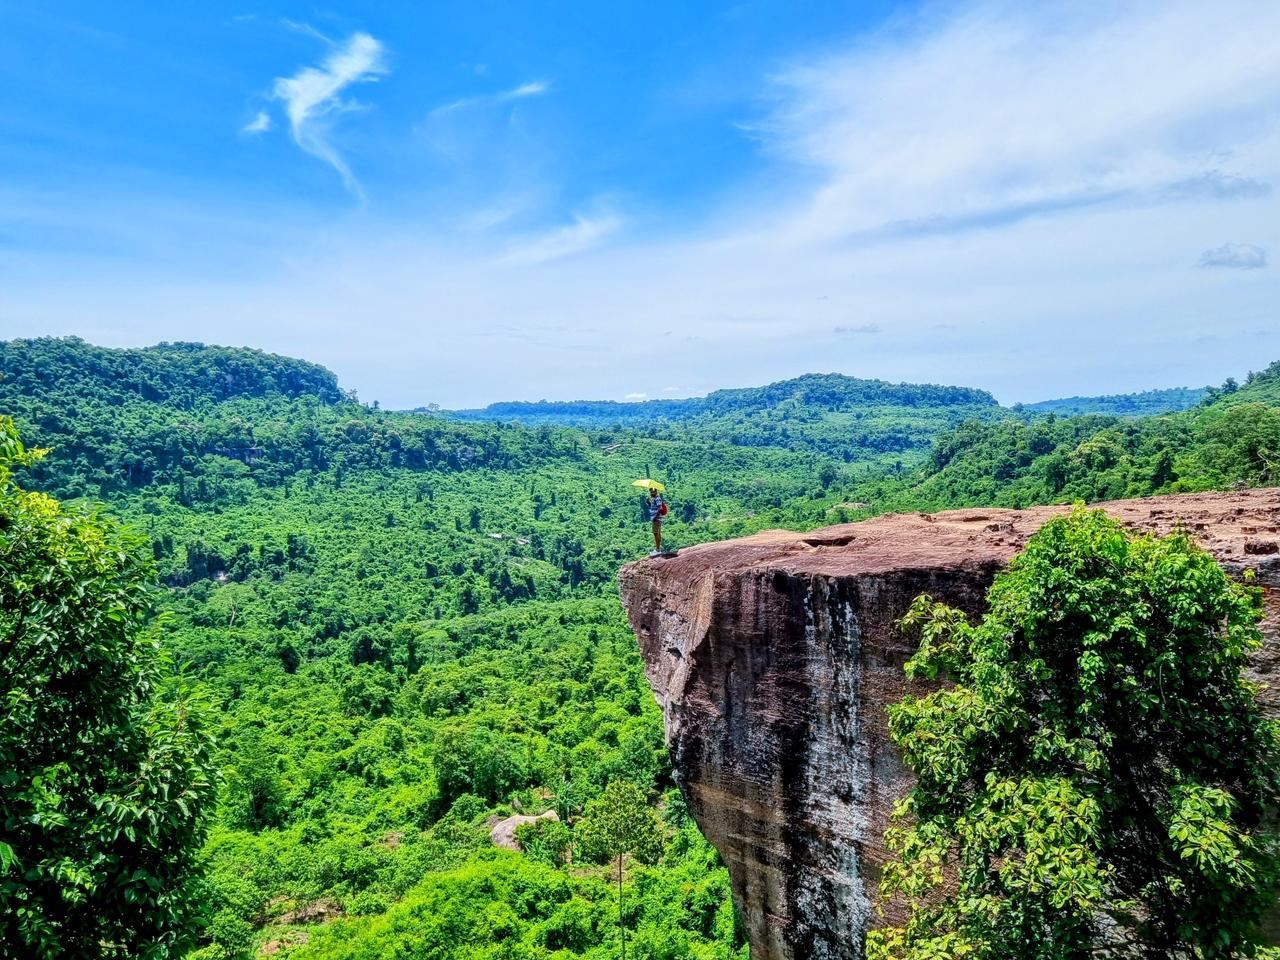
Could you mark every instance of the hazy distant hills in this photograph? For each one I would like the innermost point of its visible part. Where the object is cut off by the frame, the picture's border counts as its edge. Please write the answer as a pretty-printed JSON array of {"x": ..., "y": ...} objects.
[
  {"x": 830, "y": 392},
  {"x": 845, "y": 417},
  {"x": 1145, "y": 404},
  {"x": 130, "y": 415}
]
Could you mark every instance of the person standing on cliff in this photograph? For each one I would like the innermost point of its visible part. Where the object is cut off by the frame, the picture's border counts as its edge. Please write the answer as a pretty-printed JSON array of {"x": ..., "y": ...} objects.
[{"x": 655, "y": 508}]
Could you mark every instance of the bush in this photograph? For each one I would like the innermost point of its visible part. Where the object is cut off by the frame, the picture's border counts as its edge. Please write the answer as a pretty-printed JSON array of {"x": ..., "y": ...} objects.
[
  {"x": 545, "y": 841},
  {"x": 1095, "y": 781},
  {"x": 104, "y": 786}
]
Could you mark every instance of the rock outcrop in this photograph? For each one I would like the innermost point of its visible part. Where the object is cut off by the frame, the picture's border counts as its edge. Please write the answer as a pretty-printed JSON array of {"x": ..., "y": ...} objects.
[
  {"x": 774, "y": 656},
  {"x": 503, "y": 833}
]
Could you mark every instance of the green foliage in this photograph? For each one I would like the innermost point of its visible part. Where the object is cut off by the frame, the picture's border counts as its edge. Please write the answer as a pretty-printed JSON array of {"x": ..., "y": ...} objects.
[
  {"x": 842, "y": 417},
  {"x": 545, "y": 841},
  {"x": 1095, "y": 778},
  {"x": 619, "y": 822},
  {"x": 1146, "y": 404},
  {"x": 104, "y": 782},
  {"x": 408, "y": 623},
  {"x": 1242, "y": 445},
  {"x": 230, "y": 934},
  {"x": 1231, "y": 440}
]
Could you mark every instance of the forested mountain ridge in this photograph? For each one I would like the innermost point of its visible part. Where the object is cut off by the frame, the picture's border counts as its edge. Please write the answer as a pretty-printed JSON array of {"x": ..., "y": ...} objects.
[
  {"x": 181, "y": 375},
  {"x": 850, "y": 418},
  {"x": 127, "y": 418},
  {"x": 1231, "y": 438},
  {"x": 409, "y": 625},
  {"x": 831, "y": 392},
  {"x": 1146, "y": 403},
  {"x": 122, "y": 419}
]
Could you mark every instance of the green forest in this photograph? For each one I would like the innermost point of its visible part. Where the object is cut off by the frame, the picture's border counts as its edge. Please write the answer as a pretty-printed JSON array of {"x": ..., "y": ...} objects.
[{"x": 402, "y": 627}]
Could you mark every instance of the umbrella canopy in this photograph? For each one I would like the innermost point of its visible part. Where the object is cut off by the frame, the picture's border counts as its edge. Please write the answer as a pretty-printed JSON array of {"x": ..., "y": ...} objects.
[{"x": 648, "y": 484}]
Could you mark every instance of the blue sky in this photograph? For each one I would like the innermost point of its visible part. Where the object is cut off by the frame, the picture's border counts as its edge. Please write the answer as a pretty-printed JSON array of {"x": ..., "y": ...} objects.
[{"x": 465, "y": 202}]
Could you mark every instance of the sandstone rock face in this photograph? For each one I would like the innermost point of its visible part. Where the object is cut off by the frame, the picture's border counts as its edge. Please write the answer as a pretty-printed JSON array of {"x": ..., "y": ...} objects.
[{"x": 774, "y": 656}]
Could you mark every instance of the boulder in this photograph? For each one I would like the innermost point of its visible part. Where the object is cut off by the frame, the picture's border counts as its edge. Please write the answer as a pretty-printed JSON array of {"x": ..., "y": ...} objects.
[{"x": 503, "y": 833}]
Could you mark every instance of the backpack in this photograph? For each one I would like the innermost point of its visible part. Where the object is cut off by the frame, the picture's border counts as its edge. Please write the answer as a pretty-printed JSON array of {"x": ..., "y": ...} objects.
[{"x": 662, "y": 509}]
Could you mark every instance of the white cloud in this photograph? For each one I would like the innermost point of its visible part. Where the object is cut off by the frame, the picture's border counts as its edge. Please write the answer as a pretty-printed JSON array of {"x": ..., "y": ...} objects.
[
  {"x": 1235, "y": 256},
  {"x": 996, "y": 191},
  {"x": 1006, "y": 110},
  {"x": 312, "y": 97},
  {"x": 259, "y": 124},
  {"x": 636, "y": 396},
  {"x": 534, "y": 88},
  {"x": 1012, "y": 194},
  {"x": 574, "y": 238},
  {"x": 307, "y": 30}
]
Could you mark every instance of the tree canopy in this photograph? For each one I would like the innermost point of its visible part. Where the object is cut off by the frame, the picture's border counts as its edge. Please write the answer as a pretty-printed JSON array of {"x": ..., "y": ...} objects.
[
  {"x": 407, "y": 624},
  {"x": 105, "y": 784},
  {"x": 1095, "y": 778}
]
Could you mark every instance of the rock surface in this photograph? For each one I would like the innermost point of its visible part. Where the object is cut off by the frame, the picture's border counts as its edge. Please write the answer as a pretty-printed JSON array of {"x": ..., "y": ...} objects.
[
  {"x": 503, "y": 833},
  {"x": 774, "y": 656}
]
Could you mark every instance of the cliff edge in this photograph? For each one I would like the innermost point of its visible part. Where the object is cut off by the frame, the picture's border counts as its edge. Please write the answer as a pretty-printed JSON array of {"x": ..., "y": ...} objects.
[{"x": 774, "y": 656}]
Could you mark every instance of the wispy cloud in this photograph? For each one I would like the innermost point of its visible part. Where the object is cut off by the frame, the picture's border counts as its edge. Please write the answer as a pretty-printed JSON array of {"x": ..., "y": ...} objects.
[
  {"x": 306, "y": 29},
  {"x": 1023, "y": 180},
  {"x": 535, "y": 88},
  {"x": 1002, "y": 111},
  {"x": 1216, "y": 185},
  {"x": 577, "y": 237},
  {"x": 259, "y": 124},
  {"x": 1235, "y": 256},
  {"x": 312, "y": 98}
]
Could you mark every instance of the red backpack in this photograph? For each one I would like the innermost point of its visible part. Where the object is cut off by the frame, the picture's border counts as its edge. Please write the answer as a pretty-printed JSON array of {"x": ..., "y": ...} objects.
[{"x": 662, "y": 509}]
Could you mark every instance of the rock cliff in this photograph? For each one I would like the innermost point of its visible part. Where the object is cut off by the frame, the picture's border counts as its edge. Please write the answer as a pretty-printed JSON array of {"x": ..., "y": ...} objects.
[{"x": 774, "y": 656}]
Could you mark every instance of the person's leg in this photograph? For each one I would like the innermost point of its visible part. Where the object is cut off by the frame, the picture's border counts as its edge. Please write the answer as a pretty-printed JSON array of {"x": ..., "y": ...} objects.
[{"x": 657, "y": 535}]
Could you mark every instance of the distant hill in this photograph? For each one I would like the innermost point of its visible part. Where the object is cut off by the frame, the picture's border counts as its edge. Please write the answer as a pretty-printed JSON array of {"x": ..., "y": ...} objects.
[
  {"x": 846, "y": 417},
  {"x": 586, "y": 414},
  {"x": 1262, "y": 386},
  {"x": 831, "y": 392},
  {"x": 1230, "y": 438},
  {"x": 126, "y": 418},
  {"x": 180, "y": 375},
  {"x": 1145, "y": 404}
]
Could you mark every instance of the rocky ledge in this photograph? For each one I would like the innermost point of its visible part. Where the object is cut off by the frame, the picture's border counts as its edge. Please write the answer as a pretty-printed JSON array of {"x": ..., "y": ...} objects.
[{"x": 774, "y": 656}]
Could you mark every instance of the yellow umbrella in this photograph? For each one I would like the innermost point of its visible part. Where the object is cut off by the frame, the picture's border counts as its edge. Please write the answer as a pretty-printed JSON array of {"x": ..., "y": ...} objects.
[{"x": 648, "y": 484}]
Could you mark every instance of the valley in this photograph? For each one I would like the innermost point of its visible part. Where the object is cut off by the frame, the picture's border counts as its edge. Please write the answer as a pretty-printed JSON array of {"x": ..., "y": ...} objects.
[{"x": 408, "y": 624}]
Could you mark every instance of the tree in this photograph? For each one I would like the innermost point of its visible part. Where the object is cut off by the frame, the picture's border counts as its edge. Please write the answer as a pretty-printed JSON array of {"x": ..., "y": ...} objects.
[
  {"x": 104, "y": 786},
  {"x": 1243, "y": 445},
  {"x": 617, "y": 823},
  {"x": 545, "y": 840},
  {"x": 1095, "y": 780}
]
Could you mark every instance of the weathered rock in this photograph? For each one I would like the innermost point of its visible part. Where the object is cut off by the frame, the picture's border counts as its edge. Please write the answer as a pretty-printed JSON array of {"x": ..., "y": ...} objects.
[
  {"x": 503, "y": 833},
  {"x": 774, "y": 656},
  {"x": 321, "y": 911}
]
